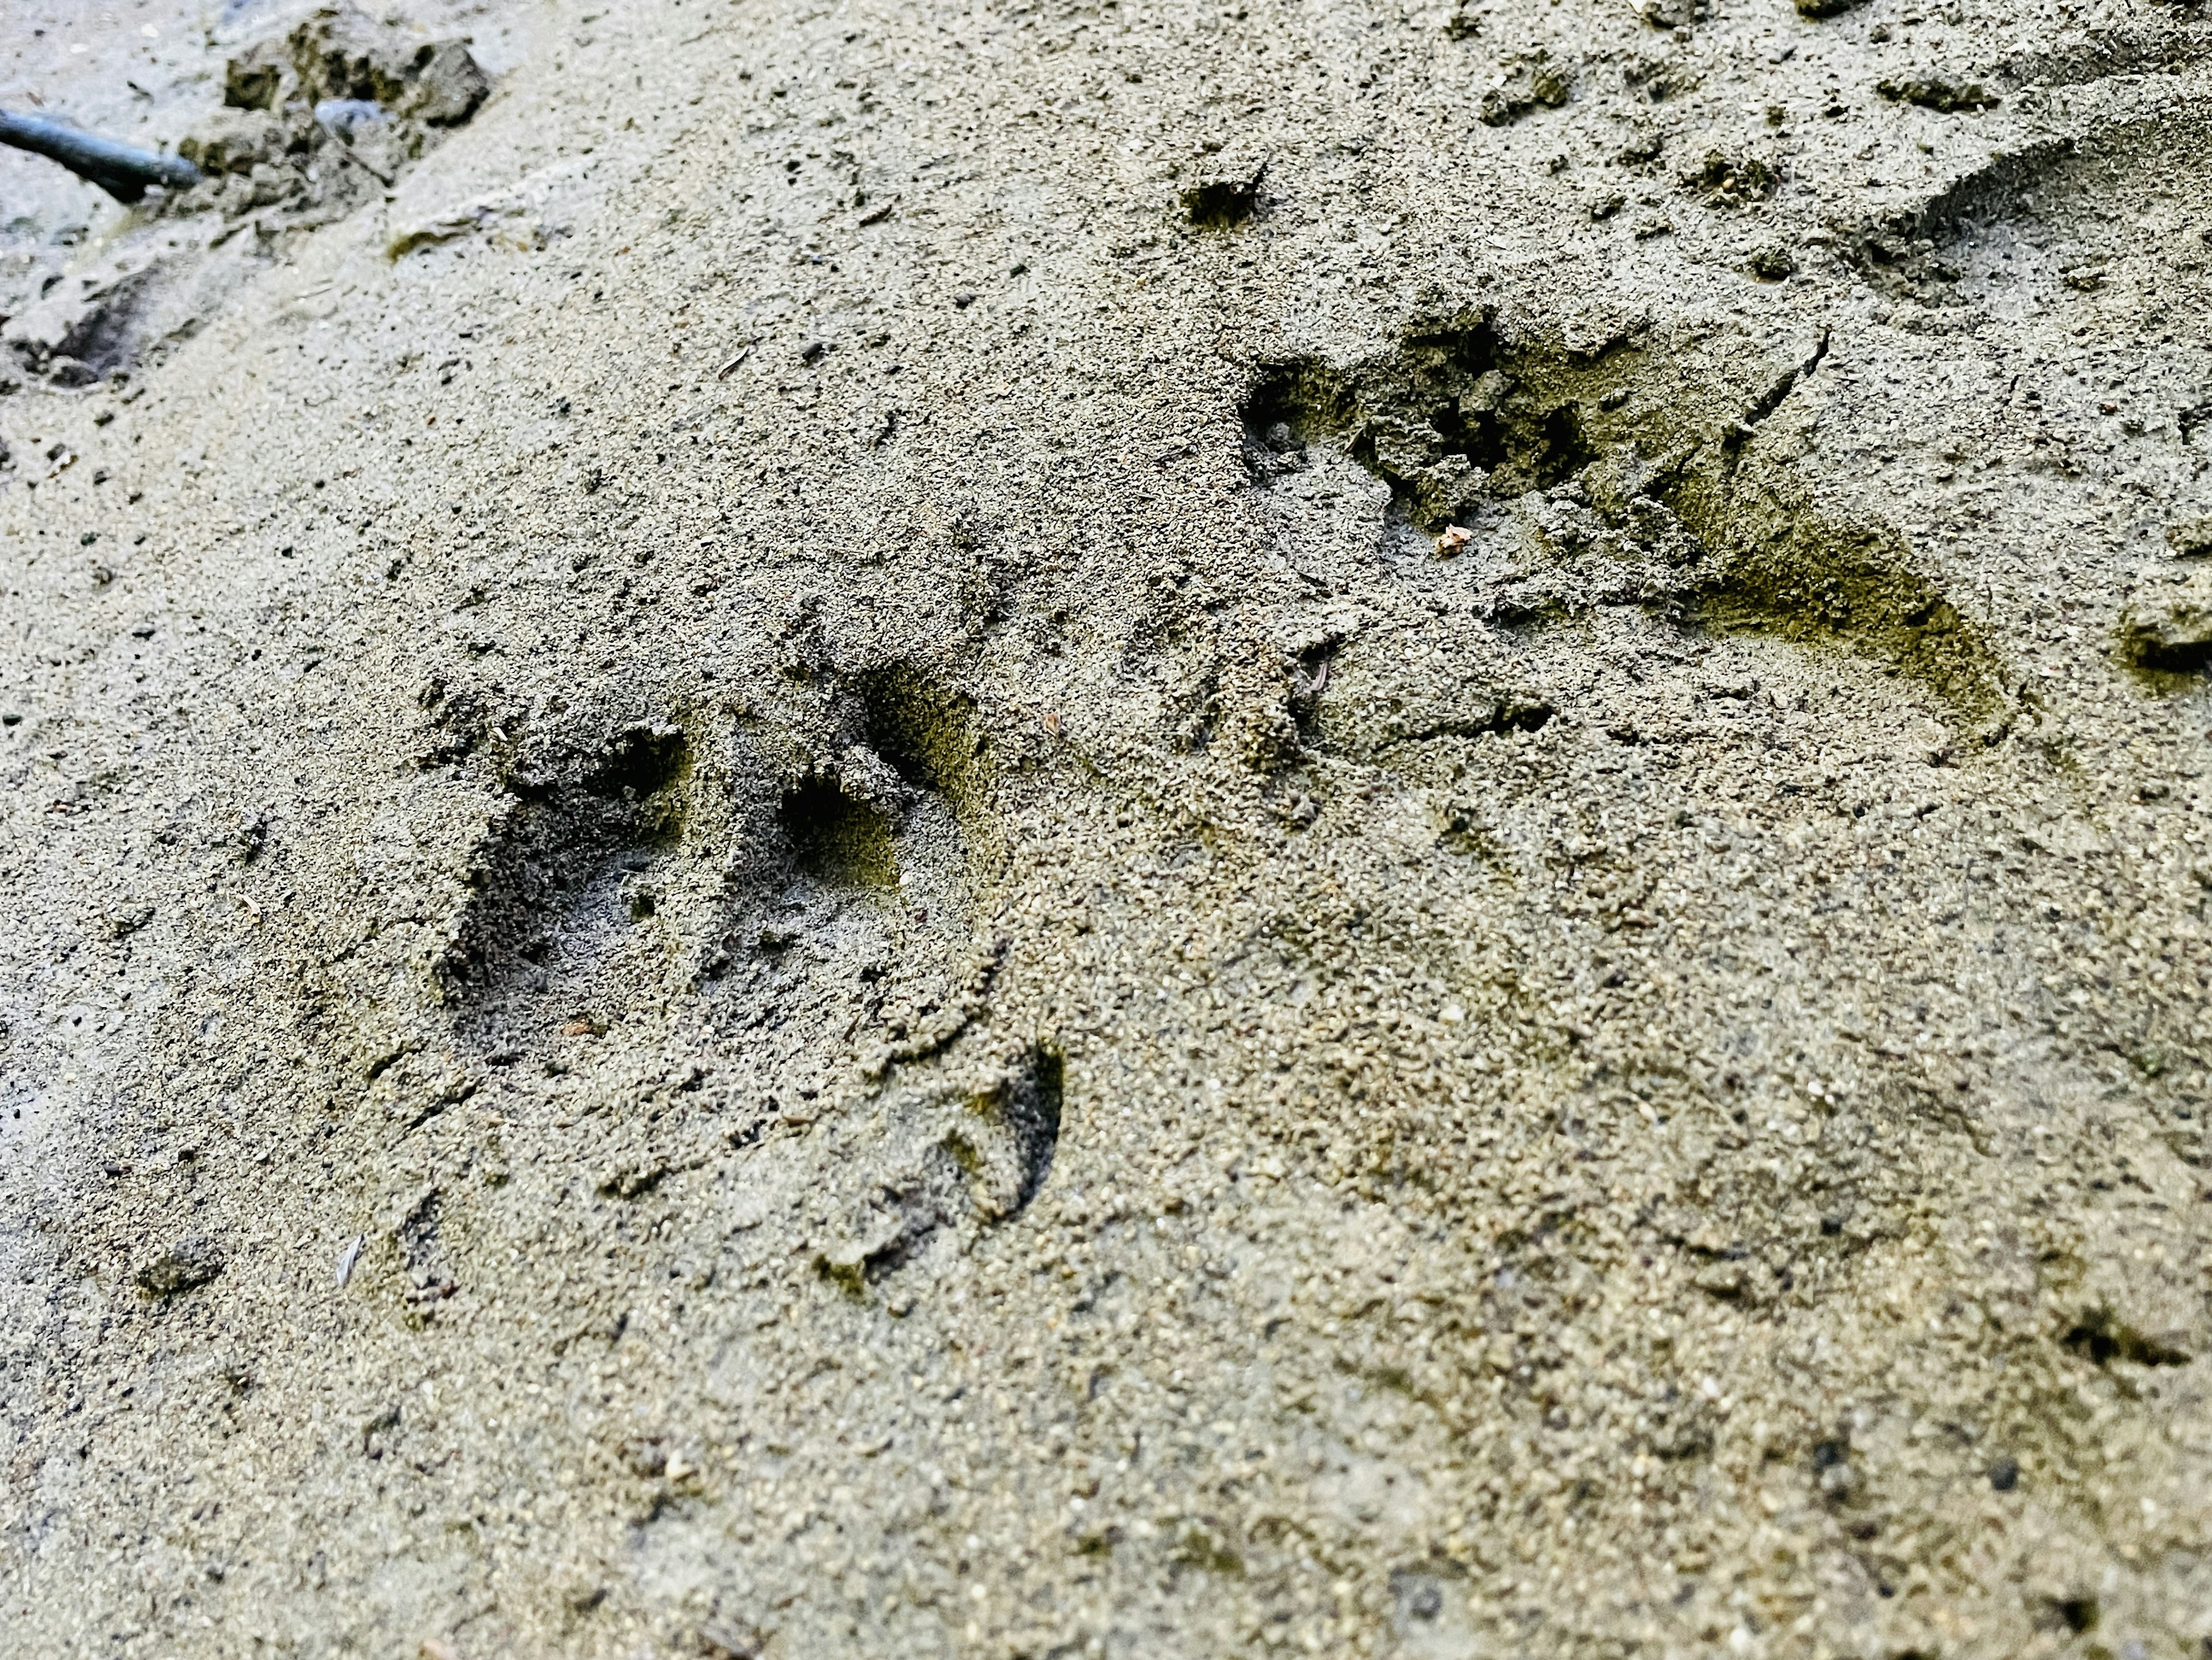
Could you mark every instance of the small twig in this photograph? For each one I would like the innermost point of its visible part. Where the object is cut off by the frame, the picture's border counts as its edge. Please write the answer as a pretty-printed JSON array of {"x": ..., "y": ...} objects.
[
  {"x": 337, "y": 117},
  {"x": 346, "y": 149},
  {"x": 123, "y": 172}
]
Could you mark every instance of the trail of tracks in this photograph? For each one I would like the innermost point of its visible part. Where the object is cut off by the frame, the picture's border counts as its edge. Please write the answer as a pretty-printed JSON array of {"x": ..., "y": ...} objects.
[{"x": 1005, "y": 897}]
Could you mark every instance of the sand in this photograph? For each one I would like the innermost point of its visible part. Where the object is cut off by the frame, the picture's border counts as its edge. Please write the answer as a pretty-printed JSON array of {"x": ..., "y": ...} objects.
[{"x": 1127, "y": 829}]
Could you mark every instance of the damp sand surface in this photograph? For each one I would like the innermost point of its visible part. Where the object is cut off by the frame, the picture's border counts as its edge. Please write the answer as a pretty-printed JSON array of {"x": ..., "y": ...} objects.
[{"x": 1103, "y": 830}]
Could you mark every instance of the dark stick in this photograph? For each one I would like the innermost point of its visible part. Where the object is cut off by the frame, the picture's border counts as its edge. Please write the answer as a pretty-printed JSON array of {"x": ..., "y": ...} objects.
[{"x": 122, "y": 171}]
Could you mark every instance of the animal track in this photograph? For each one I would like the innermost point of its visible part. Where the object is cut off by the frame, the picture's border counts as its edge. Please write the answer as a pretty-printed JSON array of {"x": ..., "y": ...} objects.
[
  {"x": 1631, "y": 475},
  {"x": 971, "y": 1144},
  {"x": 2110, "y": 211},
  {"x": 849, "y": 815},
  {"x": 839, "y": 840},
  {"x": 570, "y": 864},
  {"x": 781, "y": 885},
  {"x": 430, "y": 1281}
]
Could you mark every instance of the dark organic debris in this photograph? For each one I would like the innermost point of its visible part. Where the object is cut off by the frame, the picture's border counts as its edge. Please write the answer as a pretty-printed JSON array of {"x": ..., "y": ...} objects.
[
  {"x": 1772, "y": 263},
  {"x": 1527, "y": 84},
  {"x": 186, "y": 1266},
  {"x": 2100, "y": 1339},
  {"x": 1731, "y": 181},
  {"x": 1934, "y": 93},
  {"x": 123, "y": 171}
]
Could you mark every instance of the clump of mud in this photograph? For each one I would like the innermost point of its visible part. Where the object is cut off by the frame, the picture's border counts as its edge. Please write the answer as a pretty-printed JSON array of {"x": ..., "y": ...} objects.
[{"x": 319, "y": 119}]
